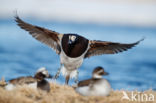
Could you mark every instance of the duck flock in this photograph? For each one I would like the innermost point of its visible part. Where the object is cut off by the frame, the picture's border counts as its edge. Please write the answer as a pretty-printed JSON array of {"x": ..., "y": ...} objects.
[{"x": 73, "y": 49}]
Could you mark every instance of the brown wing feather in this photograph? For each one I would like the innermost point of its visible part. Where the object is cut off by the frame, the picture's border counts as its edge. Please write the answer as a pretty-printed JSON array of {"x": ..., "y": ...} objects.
[
  {"x": 84, "y": 83},
  {"x": 103, "y": 47},
  {"x": 23, "y": 80},
  {"x": 88, "y": 82},
  {"x": 51, "y": 38}
]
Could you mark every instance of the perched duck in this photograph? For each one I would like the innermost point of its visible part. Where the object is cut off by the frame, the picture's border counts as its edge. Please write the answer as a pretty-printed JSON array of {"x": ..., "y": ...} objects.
[
  {"x": 43, "y": 84},
  {"x": 72, "y": 48},
  {"x": 96, "y": 86},
  {"x": 38, "y": 81}
]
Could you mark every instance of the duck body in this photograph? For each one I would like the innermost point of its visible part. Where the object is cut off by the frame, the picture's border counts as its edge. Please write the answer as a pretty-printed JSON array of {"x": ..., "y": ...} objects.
[
  {"x": 70, "y": 65},
  {"x": 43, "y": 85},
  {"x": 72, "y": 55},
  {"x": 20, "y": 81},
  {"x": 36, "y": 82},
  {"x": 95, "y": 88}
]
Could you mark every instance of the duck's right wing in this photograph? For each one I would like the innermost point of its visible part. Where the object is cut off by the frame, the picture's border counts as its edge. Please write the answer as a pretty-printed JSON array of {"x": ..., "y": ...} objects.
[{"x": 48, "y": 37}]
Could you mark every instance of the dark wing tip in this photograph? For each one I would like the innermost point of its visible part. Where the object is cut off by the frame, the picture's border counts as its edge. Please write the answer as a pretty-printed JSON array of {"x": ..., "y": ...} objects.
[
  {"x": 129, "y": 46},
  {"x": 16, "y": 16},
  {"x": 143, "y": 38},
  {"x": 17, "y": 19},
  {"x": 136, "y": 43}
]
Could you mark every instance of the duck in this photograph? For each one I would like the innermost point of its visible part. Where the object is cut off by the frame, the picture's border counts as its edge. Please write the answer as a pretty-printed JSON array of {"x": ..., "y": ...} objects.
[
  {"x": 36, "y": 82},
  {"x": 72, "y": 48},
  {"x": 95, "y": 86}
]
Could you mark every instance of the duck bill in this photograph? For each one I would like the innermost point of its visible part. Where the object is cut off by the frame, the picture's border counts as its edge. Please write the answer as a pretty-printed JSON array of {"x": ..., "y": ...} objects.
[
  {"x": 105, "y": 73},
  {"x": 70, "y": 42}
]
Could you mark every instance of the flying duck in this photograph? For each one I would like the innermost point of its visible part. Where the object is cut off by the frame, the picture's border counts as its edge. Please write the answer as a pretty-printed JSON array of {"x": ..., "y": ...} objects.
[
  {"x": 96, "y": 86},
  {"x": 38, "y": 81},
  {"x": 72, "y": 48}
]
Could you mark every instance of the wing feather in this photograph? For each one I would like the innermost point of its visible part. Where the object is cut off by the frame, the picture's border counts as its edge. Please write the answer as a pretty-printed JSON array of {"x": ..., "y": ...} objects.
[
  {"x": 103, "y": 47},
  {"x": 48, "y": 37},
  {"x": 84, "y": 83}
]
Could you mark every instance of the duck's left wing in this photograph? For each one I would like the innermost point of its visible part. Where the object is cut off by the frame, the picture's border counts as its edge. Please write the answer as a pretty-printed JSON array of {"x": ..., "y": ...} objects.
[{"x": 103, "y": 47}]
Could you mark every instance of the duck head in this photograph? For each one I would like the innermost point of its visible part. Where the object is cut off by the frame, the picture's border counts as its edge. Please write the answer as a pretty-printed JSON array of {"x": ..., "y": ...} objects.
[
  {"x": 99, "y": 72},
  {"x": 42, "y": 73}
]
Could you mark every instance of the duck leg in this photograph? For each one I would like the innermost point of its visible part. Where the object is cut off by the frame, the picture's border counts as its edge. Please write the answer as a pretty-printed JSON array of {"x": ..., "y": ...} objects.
[
  {"x": 67, "y": 79},
  {"x": 58, "y": 73},
  {"x": 76, "y": 78}
]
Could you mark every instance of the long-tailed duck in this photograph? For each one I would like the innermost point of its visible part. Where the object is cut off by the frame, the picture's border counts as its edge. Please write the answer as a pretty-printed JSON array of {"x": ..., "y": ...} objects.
[
  {"x": 38, "y": 81},
  {"x": 72, "y": 48},
  {"x": 96, "y": 86}
]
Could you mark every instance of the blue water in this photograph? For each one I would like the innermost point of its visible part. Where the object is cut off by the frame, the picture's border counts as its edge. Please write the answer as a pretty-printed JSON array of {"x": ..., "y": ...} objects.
[{"x": 22, "y": 55}]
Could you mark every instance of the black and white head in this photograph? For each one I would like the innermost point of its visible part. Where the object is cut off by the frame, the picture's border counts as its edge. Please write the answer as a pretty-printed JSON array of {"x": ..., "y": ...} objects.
[
  {"x": 72, "y": 39},
  {"x": 42, "y": 73},
  {"x": 74, "y": 45},
  {"x": 98, "y": 72}
]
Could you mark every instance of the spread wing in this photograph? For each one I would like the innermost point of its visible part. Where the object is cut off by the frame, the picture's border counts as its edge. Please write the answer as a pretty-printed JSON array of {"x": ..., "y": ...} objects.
[
  {"x": 103, "y": 47},
  {"x": 48, "y": 37}
]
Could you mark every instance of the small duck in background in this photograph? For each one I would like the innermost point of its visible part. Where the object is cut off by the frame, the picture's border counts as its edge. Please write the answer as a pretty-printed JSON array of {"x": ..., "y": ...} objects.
[
  {"x": 96, "y": 86},
  {"x": 42, "y": 83},
  {"x": 38, "y": 81}
]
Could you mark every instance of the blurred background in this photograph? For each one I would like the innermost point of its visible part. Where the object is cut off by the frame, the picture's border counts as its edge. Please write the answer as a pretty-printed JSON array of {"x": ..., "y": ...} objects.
[{"x": 124, "y": 21}]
